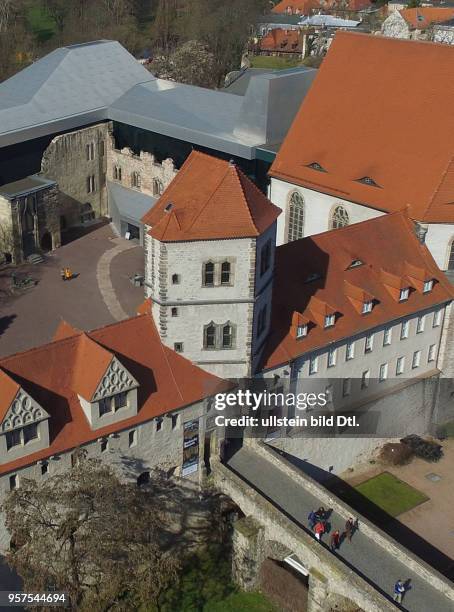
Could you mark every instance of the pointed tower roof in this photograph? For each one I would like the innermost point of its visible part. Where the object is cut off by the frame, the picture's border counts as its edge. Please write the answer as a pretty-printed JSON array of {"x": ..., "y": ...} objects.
[{"x": 210, "y": 199}]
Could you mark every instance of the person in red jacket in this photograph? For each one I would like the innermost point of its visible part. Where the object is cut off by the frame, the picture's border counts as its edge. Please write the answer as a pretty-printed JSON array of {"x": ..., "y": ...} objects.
[{"x": 319, "y": 530}]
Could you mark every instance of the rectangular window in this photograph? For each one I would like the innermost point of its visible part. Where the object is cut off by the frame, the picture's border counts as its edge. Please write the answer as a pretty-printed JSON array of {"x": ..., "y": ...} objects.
[
  {"x": 420, "y": 324},
  {"x": 432, "y": 353},
  {"x": 208, "y": 274},
  {"x": 387, "y": 336},
  {"x": 428, "y": 286},
  {"x": 369, "y": 343},
  {"x": 174, "y": 420},
  {"x": 158, "y": 424},
  {"x": 330, "y": 320},
  {"x": 132, "y": 438},
  {"x": 265, "y": 258},
  {"x": 346, "y": 387},
  {"x": 350, "y": 353},
  {"x": 13, "y": 438},
  {"x": 175, "y": 279},
  {"x": 400, "y": 365},
  {"x": 367, "y": 307},
  {"x": 332, "y": 355},
  {"x": 365, "y": 379},
  {"x": 178, "y": 347},
  {"x": 30, "y": 433},
  {"x": 301, "y": 331},
  {"x": 44, "y": 468},
  {"x": 105, "y": 405},
  {"x": 90, "y": 149},
  {"x": 404, "y": 330},
  {"x": 102, "y": 149},
  {"x": 383, "y": 375},
  {"x": 91, "y": 187},
  {"x": 404, "y": 293},
  {"x": 226, "y": 273},
  {"x": 103, "y": 445},
  {"x": 437, "y": 318},
  {"x": 13, "y": 482},
  {"x": 313, "y": 365},
  {"x": 120, "y": 400},
  {"x": 416, "y": 359},
  {"x": 174, "y": 311}
]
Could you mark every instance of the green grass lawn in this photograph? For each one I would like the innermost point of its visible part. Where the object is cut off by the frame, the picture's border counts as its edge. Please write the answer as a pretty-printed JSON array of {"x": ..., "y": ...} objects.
[
  {"x": 40, "y": 22},
  {"x": 274, "y": 63},
  {"x": 241, "y": 602},
  {"x": 391, "y": 494}
]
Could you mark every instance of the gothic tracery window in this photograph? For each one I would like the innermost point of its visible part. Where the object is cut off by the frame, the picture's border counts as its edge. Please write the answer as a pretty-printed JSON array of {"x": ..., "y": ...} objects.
[
  {"x": 158, "y": 187},
  {"x": 135, "y": 180},
  {"x": 295, "y": 217},
  {"x": 339, "y": 218}
]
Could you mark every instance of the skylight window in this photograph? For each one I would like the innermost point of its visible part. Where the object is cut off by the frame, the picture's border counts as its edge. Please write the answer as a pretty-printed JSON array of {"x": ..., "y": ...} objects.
[
  {"x": 329, "y": 320},
  {"x": 367, "y": 306},
  {"x": 428, "y": 286},
  {"x": 404, "y": 293},
  {"x": 168, "y": 207},
  {"x": 355, "y": 263},
  {"x": 316, "y": 166},
  {"x": 367, "y": 180}
]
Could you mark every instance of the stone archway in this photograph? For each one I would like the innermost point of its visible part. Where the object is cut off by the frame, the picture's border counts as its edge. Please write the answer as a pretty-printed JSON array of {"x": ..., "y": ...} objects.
[{"x": 46, "y": 242}]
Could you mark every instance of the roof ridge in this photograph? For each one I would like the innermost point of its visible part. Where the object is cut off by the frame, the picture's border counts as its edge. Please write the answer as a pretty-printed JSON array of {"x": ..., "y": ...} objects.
[
  {"x": 438, "y": 187},
  {"x": 36, "y": 349}
]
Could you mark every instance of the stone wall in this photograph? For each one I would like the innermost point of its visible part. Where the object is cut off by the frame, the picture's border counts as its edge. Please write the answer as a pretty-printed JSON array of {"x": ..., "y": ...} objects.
[{"x": 71, "y": 159}]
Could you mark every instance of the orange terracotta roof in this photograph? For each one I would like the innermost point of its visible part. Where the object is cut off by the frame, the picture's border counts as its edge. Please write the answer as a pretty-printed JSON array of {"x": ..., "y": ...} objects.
[
  {"x": 92, "y": 362},
  {"x": 423, "y": 16},
  {"x": 167, "y": 381},
  {"x": 356, "y": 122},
  {"x": 65, "y": 330},
  {"x": 8, "y": 391},
  {"x": 210, "y": 199},
  {"x": 386, "y": 242},
  {"x": 282, "y": 40}
]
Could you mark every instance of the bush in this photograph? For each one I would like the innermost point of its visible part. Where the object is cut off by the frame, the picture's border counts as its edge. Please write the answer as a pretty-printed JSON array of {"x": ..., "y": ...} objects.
[{"x": 396, "y": 453}]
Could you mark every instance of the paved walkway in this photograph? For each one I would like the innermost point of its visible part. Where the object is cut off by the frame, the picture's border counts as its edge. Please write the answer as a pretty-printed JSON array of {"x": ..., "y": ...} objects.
[{"x": 379, "y": 567}]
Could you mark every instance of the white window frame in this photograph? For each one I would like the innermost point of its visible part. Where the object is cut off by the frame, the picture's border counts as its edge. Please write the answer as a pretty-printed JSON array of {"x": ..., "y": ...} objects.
[
  {"x": 420, "y": 324},
  {"x": 405, "y": 330},
  {"x": 330, "y": 319},
  {"x": 369, "y": 344},
  {"x": 365, "y": 379},
  {"x": 416, "y": 360},
  {"x": 404, "y": 293},
  {"x": 332, "y": 357},
  {"x": 367, "y": 307},
  {"x": 301, "y": 331},
  {"x": 383, "y": 372},
  {"x": 350, "y": 351},
  {"x": 313, "y": 365},
  {"x": 400, "y": 365},
  {"x": 432, "y": 353},
  {"x": 387, "y": 336},
  {"x": 438, "y": 314},
  {"x": 428, "y": 286}
]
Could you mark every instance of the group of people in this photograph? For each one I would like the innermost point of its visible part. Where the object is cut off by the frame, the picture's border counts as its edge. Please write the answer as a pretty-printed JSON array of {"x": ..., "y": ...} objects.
[{"x": 319, "y": 525}]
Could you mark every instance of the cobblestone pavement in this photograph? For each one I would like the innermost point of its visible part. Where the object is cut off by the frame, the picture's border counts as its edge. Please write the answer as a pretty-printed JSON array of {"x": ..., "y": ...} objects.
[
  {"x": 31, "y": 317},
  {"x": 380, "y": 567}
]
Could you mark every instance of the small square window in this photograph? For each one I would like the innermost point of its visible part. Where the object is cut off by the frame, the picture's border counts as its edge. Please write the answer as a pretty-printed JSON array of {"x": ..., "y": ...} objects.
[
  {"x": 105, "y": 405},
  {"x": 30, "y": 433},
  {"x": 175, "y": 279},
  {"x": 404, "y": 293},
  {"x": 174, "y": 311},
  {"x": 178, "y": 347},
  {"x": 132, "y": 438},
  {"x": 120, "y": 400},
  {"x": 367, "y": 307}
]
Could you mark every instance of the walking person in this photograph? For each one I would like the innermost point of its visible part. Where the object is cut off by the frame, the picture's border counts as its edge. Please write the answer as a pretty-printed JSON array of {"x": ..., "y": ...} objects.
[
  {"x": 349, "y": 526},
  {"x": 334, "y": 540},
  {"x": 312, "y": 518},
  {"x": 319, "y": 530},
  {"x": 399, "y": 590}
]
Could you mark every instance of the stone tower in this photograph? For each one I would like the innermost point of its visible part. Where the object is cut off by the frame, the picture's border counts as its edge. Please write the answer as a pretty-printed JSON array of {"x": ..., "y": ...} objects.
[{"x": 209, "y": 249}]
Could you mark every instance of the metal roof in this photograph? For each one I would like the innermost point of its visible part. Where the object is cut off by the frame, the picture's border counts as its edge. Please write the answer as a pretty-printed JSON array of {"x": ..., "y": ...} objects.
[
  {"x": 31, "y": 184},
  {"x": 81, "y": 84},
  {"x": 129, "y": 202}
]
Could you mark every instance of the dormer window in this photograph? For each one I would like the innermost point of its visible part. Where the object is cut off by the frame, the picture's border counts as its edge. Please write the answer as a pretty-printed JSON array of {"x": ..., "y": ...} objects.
[
  {"x": 367, "y": 180},
  {"x": 428, "y": 286},
  {"x": 301, "y": 331},
  {"x": 329, "y": 320},
  {"x": 20, "y": 437},
  {"x": 316, "y": 166},
  {"x": 404, "y": 293},
  {"x": 367, "y": 307},
  {"x": 355, "y": 263}
]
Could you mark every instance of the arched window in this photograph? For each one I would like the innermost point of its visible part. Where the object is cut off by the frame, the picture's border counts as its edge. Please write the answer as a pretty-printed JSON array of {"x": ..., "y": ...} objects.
[
  {"x": 117, "y": 173},
  {"x": 339, "y": 218},
  {"x": 295, "y": 217},
  {"x": 209, "y": 339},
  {"x": 208, "y": 274},
  {"x": 135, "y": 180},
  {"x": 451, "y": 256},
  {"x": 226, "y": 273},
  {"x": 158, "y": 187},
  {"x": 227, "y": 336}
]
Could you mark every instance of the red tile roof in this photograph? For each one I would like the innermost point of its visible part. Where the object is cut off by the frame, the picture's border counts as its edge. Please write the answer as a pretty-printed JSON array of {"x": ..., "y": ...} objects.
[
  {"x": 51, "y": 375},
  {"x": 306, "y": 7},
  {"x": 8, "y": 391},
  {"x": 422, "y": 17},
  {"x": 380, "y": 108},
  {"x": 284, "y": 41},
  {"x": 349, "y": 264},
  {"x": 210, "y": 199}
]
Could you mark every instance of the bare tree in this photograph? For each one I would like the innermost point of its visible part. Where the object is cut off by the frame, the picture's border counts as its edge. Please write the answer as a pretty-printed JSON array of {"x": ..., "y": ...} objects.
[
  {"x": 91, "y": 536},
  {"x": 191, "y": 63}
]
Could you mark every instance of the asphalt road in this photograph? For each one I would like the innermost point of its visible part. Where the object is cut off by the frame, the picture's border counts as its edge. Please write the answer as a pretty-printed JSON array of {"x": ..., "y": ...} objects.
[{"x": 381, "y": 568}]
